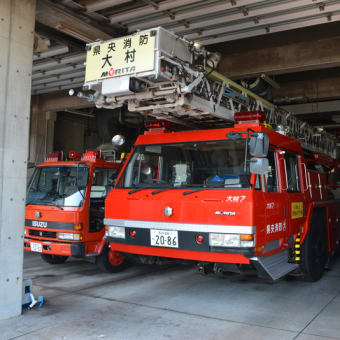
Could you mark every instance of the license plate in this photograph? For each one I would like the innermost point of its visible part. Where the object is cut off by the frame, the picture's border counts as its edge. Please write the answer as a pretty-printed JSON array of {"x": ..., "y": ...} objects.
[
  {"x": 164, "y": 238},
  {"x": 36, "y": 247}
]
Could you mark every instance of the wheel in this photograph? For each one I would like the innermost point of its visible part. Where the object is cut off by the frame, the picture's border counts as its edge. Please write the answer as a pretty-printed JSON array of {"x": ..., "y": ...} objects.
[
  {"x": 110, "y": 261},
  {"x": 54, "y": 259},
  {"x": 314, "y": 250}
]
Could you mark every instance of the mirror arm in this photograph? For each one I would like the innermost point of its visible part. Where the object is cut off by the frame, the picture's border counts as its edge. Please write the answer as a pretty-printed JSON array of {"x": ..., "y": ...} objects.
[{"x": 246, "y": 151}]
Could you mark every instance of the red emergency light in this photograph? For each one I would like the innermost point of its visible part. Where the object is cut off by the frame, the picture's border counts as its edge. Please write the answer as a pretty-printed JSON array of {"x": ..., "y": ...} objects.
[
  {"x": 92, "y": 156},
  {"x": 250, "y": 116},
  {"x": 158, "y": 124},
  {"x": 74, "y": 155},
  {"x": 55, "y": 156}
]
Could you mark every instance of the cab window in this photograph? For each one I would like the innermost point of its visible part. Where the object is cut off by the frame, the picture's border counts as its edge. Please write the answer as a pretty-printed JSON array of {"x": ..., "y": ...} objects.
[
  {"x": 292, "y": 173},
  {"x": 271, "y": 177},
  {"x": 103, "y": 178}
]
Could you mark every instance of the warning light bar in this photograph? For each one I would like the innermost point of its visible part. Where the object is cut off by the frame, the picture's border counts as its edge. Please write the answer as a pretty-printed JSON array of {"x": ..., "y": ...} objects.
[
  {"x": 74, "y": 155},
  {"x": 92, "y": 156},
  {"x": 55, "y": 156},
  {"x": 158, "y": 124},
  {"x": 250, "y": 116}
]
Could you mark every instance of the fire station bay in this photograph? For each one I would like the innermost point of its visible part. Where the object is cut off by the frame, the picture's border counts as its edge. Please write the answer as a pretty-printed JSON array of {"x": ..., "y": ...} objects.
[{"x": 170, "y": 169}]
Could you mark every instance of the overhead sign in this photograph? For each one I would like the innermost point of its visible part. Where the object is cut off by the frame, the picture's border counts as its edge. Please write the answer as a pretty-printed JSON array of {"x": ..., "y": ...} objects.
[{"x": 120, "y": 57}]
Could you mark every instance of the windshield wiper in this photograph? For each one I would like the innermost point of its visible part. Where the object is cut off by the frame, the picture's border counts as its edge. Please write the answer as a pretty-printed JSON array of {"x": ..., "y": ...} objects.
[
  {"x": 138, "y": 189},
  {"x": 162, "y": 189},
  {"x": 199, "y": 189},
  {"x": 195, "y": 190},
  {"x": 30, "y": 202}
]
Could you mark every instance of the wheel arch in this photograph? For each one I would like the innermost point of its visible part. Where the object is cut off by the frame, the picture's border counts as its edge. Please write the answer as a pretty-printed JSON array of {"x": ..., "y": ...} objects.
[{"x": 314, "y": 213}]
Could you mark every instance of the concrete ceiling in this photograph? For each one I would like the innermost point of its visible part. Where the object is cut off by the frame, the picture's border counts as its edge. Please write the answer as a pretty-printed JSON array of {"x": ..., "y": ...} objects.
[{"x": 275, "y": 37}]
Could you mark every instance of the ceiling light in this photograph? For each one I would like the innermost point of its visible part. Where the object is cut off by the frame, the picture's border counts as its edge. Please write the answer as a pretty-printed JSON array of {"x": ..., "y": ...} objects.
[{"x": 74, "y": 32}]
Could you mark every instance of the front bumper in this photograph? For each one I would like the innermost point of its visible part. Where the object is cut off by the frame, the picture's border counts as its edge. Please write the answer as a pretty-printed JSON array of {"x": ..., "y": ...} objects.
[
  {"x": 76, "y": 249},
  {"x": 187, "y": 249}
]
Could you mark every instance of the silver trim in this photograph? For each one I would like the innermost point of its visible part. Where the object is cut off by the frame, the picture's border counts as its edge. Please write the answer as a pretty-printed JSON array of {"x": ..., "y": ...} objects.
[{"x": 208, "y": 228}]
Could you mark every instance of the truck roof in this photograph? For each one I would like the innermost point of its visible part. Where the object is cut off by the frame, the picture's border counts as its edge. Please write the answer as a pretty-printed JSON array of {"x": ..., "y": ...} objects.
[{"x": 163, "y": 136}]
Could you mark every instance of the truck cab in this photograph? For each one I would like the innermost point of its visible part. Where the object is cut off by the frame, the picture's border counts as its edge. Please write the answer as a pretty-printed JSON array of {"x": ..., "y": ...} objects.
[{"x": 65, "y": 209}]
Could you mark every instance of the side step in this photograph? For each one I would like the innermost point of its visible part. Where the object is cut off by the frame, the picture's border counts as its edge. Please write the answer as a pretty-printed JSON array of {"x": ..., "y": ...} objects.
[{"x": 274, "y": 266}]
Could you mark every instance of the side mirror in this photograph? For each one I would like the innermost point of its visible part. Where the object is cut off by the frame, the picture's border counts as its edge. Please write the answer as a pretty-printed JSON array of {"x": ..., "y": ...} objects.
[
  {"x": 259, "y": 166},
  {"x": 259, "y": 144}
]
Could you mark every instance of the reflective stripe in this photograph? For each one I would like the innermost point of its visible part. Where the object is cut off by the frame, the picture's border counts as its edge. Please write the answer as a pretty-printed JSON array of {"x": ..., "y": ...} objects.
[{"x": 207, "y": 228}]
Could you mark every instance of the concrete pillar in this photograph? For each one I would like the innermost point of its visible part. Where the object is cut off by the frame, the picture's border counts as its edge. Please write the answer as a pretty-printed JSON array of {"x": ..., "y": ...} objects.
[
  {"x": 41, "y": 135},
  {"x": 16, "y": 41},
  {"x": 49, "y": 133}
]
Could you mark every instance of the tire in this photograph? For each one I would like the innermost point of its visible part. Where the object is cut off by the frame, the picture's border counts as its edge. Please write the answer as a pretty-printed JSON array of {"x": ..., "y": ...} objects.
[
  {"x": 110, "y": 261},
  {"x": 54, "y": 259},
  {"x": 314, "y": 250}
]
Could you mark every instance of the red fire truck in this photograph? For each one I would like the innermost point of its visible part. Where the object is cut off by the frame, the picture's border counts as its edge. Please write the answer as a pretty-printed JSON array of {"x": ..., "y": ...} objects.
[
  {"x": 65, "y": 209},
  {"x": 188, "y": 195},
  {"x": 244, "y": 189}
]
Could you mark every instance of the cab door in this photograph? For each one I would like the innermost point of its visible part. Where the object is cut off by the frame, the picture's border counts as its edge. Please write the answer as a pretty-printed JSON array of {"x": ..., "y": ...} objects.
[
  {"x": 102, "y": 181},
  {"x": 294, "y": 193},
  {"x": 275, "y": 206}
]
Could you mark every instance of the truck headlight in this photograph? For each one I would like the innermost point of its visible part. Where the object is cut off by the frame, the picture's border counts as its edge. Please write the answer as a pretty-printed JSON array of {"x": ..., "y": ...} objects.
[
  {"x": 231, "y": 240},
  {"x": 116, "y": 232},
  {"x": 70, "y": 236}
]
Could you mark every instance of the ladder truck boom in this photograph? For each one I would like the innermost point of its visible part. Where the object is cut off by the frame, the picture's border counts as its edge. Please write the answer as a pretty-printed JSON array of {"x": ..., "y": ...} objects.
[{"x": 160, "y": 74}]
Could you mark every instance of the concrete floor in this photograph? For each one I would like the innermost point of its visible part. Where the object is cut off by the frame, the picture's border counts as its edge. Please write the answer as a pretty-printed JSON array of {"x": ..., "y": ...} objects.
[{"x": 173, "y": 302}]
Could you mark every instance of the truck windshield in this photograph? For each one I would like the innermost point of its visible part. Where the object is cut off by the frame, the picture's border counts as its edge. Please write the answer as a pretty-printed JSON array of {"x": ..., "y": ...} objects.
[
  {"x": 217, "y": 164},
  {"x": 58, "y": 185}
]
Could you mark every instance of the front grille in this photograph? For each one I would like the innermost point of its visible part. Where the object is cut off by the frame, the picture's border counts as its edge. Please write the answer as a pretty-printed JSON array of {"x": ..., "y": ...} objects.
[{"x": 43, "y": 233}]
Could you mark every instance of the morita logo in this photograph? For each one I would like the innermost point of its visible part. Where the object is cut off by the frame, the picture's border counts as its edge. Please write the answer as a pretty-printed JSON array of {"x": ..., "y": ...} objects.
[
  {"x": 39, "y": 224},
  {"x": 228, "y": 213},
  {"x": 118, "y": 71}
]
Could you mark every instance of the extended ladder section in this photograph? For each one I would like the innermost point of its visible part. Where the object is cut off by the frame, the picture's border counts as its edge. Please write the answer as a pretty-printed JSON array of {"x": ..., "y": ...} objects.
[{"x": 159, "y": 74}]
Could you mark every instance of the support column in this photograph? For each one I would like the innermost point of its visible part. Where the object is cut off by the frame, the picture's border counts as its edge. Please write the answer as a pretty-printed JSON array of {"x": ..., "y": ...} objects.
[
  {"x": 50, "y": 120},
  {"x": 16, "y": 41}
]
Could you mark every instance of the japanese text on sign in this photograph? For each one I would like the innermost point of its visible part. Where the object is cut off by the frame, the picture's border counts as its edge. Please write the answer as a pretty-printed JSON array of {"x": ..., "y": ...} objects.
[
  {"x": 297, "y": 210},
  {"x": 120, "y": 57}
]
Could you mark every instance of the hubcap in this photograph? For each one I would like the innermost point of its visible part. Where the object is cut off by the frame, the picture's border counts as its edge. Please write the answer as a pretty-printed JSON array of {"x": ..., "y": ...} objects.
[{"x": 115, "y": 258}]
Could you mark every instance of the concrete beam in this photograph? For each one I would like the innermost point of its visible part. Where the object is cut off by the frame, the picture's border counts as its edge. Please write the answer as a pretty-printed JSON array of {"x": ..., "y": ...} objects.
[
  {"x": 281, "y": 53},
  {"x": 315, "y": 107},
  {"x": 16, "y": 40},
  {"x": 312, "y": 86},
  {"x": 56, "y": 18},
  {"x": 58, "y": 101}
]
